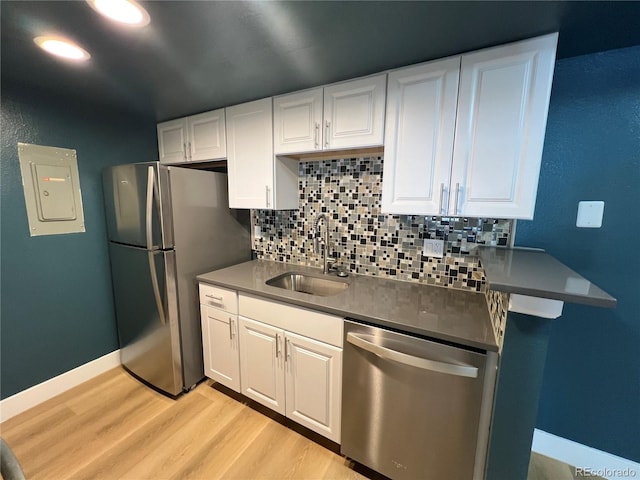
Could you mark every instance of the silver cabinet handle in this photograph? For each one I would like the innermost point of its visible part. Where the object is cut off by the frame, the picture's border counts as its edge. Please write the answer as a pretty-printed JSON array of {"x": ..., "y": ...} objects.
[
  {"x": 441, "y": 197},
  {"x": 316, "y": 135},
  {"x": 327, "y": 129},
  {"x": 266, "y": 188},
  {"x": 277, "y": 345},
  {"x": 412, "y": 361},
  {"x": 457, "y": 195},
  {"x": 184, "y": 151},
  {"x": 230, "y": 329},
  {"x": 190, "y": 153},
  {"x": 287, "y": 348},
  {"x": 215, "y": 299},
  {"x": 233, "y": 327}
]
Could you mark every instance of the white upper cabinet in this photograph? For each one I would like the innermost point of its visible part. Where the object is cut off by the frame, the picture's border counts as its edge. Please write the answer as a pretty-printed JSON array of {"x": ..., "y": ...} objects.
[
  {"x": 191, "y": 139},
  {"x": 172, "y": 141},
  {"x": 206, "y": 134},
  {"x": 354, "y": 113},
  {"x": 297, "y": 122},
  {"x": 337, "y": 117},
  {"x": 479, "y": 157},
  {"x": 420, "y": 124},
  {"x": 256, "y": 178},
  {"x": 502, "y": 116}
]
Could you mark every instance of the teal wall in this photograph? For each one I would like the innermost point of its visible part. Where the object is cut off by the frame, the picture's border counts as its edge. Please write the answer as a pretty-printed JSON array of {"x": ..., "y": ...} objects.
[
  {"x": 591, "y": 387},
  {"x": 56, "y": 298}
]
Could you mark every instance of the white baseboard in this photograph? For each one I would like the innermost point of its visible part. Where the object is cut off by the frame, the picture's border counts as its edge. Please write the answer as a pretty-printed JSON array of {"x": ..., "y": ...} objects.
[
  {"x": 590, "y": 460},
  {"x": 21, "y": 401}
]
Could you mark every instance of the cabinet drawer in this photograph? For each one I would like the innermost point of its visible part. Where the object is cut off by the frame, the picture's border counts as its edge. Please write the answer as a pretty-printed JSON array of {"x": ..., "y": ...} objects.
[
  {"x": 310, "y": 323},
  {"x": 217, "y": 297}
]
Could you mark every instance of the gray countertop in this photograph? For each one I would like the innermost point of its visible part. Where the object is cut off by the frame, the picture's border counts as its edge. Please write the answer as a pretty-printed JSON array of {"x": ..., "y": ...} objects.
[
  {"x": 446, "y": 314},
  {"x": 535, "y": 273}
]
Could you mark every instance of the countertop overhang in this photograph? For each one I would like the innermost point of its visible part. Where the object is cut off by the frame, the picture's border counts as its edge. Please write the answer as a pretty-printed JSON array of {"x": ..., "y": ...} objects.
[
  {"x": 451, "y": 315},
  {"x": 533, "y": 272}
]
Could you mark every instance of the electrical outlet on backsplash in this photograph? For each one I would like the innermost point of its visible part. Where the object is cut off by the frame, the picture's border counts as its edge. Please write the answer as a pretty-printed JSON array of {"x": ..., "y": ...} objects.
[{"x": 367, "y": 241}]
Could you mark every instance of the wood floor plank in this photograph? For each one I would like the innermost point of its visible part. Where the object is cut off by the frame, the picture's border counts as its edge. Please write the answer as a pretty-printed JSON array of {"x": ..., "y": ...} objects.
[
  {"x": 87, "y": 437},
  {"x": 114, "y": 427},
  {"x": 273, "y": 445},
  {"x": 114, "y": 383},
  {"x": 230, "y": 444},
  {"x": 147, "y": 440},
  {"x": 179, "y": 444}
]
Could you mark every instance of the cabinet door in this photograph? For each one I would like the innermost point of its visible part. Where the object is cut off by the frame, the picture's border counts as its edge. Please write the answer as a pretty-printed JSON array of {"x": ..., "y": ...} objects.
[
  {"x": 220, "y": 346},
  {"x": 297, "y": 122},
  {"x": 262, "y": 364},
  {"x": 172, "y": 141},
  {"x": 314, "y": 384},
  {"x": 418, "y": 150},
  {"x": 354, "y": 113},
  {"x": 250, "y": 154},
  {"x": 502, "y": 116},
  {"x": 206, "y": 137}
]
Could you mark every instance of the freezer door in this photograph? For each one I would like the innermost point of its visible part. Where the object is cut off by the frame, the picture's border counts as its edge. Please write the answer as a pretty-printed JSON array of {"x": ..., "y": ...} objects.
[
  {"x": 137, "y": 197},
  {"x": 147, "y": 315}
]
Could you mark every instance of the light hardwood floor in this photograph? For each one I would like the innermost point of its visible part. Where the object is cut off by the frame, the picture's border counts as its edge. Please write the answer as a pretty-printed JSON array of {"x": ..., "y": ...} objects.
[{"x": 113, "y": 427}]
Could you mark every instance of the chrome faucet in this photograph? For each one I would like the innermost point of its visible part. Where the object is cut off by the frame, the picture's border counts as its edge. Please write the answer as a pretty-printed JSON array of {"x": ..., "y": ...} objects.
[{"x": 326, "y": 262}]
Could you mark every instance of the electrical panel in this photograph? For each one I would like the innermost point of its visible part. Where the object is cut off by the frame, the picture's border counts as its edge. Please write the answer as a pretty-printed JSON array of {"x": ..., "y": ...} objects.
[{"x": 51, "y": 189}]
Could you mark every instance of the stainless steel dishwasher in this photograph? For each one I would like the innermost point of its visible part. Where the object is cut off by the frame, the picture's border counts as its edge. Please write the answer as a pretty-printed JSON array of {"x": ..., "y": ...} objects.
[{"x": 414, "y": 408}]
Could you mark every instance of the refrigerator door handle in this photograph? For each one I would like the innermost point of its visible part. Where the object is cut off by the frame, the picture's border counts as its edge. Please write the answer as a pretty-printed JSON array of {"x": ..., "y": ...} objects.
[
  {"x": 149, "y": 210},
  {"x": 151, "y": 187},
  {"x": 156, "y": 287}
]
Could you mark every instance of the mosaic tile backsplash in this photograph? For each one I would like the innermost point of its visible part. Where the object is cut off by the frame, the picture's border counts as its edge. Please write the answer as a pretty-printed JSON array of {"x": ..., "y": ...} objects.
[
  {"x": 498, "y": 303},
  {"x": 366, "y": 241}
]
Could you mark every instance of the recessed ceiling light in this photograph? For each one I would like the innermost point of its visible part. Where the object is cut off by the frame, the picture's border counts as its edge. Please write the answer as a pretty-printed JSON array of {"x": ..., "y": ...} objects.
[
  {"x": 123, "y": 11},
  {"x": 62, "y": 47}
]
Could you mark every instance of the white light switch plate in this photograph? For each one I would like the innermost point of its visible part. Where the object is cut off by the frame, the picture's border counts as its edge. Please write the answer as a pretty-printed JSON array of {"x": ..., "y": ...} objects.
[
  {"x": 590, "y": 214},
  {"x": 433, "y": 248}
]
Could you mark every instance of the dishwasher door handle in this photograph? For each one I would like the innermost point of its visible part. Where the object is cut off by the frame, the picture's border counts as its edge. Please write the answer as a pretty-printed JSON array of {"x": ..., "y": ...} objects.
[{"x": 411, "y": 360}]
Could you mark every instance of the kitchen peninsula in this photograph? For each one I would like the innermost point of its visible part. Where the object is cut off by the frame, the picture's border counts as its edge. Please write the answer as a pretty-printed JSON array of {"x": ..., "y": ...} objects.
[{"x": 530, "y": 286}]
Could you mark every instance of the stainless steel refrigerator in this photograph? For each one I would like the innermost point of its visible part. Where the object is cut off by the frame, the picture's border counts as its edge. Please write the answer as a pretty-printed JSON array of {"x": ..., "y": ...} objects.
[{"x": 166, "y": 225}]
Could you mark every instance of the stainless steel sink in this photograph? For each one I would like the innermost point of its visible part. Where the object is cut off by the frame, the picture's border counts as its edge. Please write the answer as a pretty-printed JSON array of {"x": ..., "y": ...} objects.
[{"x": 305, "y": 283}]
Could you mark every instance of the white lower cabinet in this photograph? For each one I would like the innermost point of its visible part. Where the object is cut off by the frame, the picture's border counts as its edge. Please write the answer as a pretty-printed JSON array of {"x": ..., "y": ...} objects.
[
  {"x": 313, "y": 384},
  {"x": 284, "y": 357},
  {"x": 293, "y": 374},
  {"x": 262, "y": 364},
  {"x": 220, "y": 346}
]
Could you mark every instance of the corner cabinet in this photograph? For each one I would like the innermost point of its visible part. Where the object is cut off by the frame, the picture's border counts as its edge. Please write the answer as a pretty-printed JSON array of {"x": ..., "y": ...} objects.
[
  {"x": 257, "y": 179},
  {"x": 494, "y": 151},
  {"x": 291, "y": 362},
  {"x": 193, "y": 139},
  {"x": 337, "y": 117}
]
